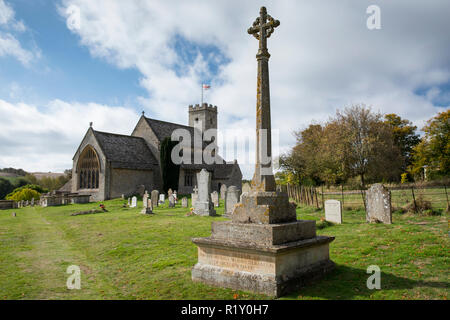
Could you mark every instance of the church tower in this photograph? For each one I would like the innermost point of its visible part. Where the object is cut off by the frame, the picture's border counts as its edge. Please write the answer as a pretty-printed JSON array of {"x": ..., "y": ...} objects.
[{"x": 203, "y": 116}]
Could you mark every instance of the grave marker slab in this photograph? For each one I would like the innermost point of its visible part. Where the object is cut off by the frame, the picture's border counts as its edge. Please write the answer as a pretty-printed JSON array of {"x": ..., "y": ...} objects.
[{"x": 333, "y": 211}]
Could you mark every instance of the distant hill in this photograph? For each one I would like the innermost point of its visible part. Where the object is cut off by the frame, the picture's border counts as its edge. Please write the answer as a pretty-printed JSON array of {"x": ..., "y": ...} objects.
[
  {"x": 40, "y": 175},
  {"x": 8, "y": 175}
]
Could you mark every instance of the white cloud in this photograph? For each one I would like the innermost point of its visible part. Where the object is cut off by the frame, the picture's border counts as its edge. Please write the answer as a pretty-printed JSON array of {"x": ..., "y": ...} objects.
[
  {"x": 9, "y": 44},
  {"x": 46, "y": 137}
]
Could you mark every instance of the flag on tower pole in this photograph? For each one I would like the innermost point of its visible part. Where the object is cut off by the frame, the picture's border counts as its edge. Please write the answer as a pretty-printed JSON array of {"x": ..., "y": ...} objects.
[{"x": 204, "y": 87}]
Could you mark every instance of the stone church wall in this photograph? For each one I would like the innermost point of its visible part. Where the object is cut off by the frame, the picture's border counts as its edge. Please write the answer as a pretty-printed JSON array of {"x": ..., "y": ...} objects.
[{"x": 126, "y": 181}]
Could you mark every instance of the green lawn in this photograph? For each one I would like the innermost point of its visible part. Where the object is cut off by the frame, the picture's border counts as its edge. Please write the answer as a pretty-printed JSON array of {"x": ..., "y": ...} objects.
[{"x": 126, "y": 255}]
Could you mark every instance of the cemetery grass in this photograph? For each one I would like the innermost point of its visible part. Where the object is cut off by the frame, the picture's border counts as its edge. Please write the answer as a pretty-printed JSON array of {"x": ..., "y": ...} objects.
[{"x": 126, "y": 255}]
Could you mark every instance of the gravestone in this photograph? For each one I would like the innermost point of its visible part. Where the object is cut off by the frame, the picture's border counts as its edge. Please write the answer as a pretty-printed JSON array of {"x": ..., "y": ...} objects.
[
  {"x": 378, "y": 204},
  {"x": 232, "y": 198},
  {"x": 171, "y": 201},
  {"x": 184, "y": 202},
  {"x": 162, "y": 198},
  {"x": 133, "y": 202},
  {"x": 194, "y": 196},
  {"x": 32, "y": 202},
  {"x": 333, "y": 211},
  {"x": 145, "y": 199},
  {"x": 155, "y": 196},
  {"x": 246, "y": 188},
  {"x": 263, "y": 248},
  {"x": 26, "y": 203},
  {"x": 169, "y": 192},
  {"x": 14, "y": 214},
  {"x": 148, "y": 207},
  {"x": 129, "y": 202},
  {"x": 123, "y": 196},
  {"x": 203, "y": 205},
  {"x": 215, "y": 198},
  {"x": 223, "y": 191}
]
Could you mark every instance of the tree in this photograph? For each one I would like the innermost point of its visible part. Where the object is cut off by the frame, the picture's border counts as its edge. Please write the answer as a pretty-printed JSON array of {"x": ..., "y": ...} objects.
[
  {"x": 405, "y": 137},
  {"x": 433, "y": 151},
  {"x": 5, "y": 187},
  {"x": 367, "y": 145},
  {"x": 170, "y": 171},
  {"x": 24, "y": 194}
]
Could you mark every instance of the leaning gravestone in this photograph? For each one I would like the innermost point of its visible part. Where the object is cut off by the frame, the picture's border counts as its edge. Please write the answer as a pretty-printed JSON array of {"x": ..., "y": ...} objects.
[
  {"x": 223, "y": 191},
  {"x": 215, "y": 198},
  {"x": 333, "y": 211},
  {"x": 133, "y": 202},
  {"x": 184, "y": 202},
  {"x": 155, "y": 196},
  {"x": 378, "y": 204},
  {"x": 203, "y": 206},
  {"x": 171, "y": 201},
  {"x": 232, "y": 198}
]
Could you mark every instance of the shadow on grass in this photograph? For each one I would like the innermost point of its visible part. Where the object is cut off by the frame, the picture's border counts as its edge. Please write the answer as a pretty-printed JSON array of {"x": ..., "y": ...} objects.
[{"x": 346, "y": 283}]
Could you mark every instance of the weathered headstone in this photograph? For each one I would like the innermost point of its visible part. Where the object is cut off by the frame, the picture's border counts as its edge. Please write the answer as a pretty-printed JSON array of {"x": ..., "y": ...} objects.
[
  {"x": 184, "y": 202},
  {"x": 246, "y": 187},
  {"x": 203, "y": 206},
  {"x": 232, "y": 198},
  {"x": 333, "y": 211},
  {"x": 32, "y": 202},
  {"x": 223, "y": 191},
  {"x": 171, "y": 201},
  {"x": 263, "y": 248},
  {"x": 27, "y": 203},
  {"x": 145, "y": 199},
  {"x": 194, "y": 196},
  {"x": 155, "y": 196},
  {"x": 169, "y": 192},
  {"x": 14, "y": 214},
  {"x": 123, "y": 196},
  {"x": 133, "y": 202},
  {"x": 148, "y": 207},
  {"x": 129, "y": 202},
  {"x": 378, "y": 204},
  {"x": 162, "y": 198},
  {"x": 215, "y": 198}
]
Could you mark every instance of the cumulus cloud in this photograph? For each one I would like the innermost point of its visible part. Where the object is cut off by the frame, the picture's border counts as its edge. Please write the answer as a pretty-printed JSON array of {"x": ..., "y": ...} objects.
[
  {"x": 9, "y": 44},
  {"x": 46, "y": 137}
]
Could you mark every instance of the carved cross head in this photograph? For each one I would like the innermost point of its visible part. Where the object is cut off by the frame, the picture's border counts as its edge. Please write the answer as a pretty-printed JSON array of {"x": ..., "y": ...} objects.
[{"x": 263, "y": 27}]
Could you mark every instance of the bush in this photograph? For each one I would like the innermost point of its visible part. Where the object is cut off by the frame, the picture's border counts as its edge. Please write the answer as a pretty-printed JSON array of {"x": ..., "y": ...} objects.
[{"x": 24, "y": 194}]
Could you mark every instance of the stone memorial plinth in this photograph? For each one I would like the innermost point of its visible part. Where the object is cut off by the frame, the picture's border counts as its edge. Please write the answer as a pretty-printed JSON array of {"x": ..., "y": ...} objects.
[
  {"x": 333, "y": 211},
  {"x": 378, "y": 204},
  {"x": 263, "y": 248}
]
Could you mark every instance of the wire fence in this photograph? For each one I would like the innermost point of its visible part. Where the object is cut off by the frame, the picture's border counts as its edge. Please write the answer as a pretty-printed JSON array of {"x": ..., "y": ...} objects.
[{"x": 401, "y": 196}]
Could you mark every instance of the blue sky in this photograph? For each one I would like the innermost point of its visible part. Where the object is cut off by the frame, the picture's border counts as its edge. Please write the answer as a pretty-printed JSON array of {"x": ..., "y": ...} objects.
[{"x": 129, "y": 56}]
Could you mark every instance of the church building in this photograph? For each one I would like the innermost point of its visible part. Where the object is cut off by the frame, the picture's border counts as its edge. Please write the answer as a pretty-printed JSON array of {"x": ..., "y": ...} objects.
[{"x": 107, "y": 165}]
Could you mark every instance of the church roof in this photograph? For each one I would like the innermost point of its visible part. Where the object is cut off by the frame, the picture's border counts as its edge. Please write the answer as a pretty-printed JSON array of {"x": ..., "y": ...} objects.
[
  {"x": 164, "y": 129},
  {"x": 125, "y": 152}
]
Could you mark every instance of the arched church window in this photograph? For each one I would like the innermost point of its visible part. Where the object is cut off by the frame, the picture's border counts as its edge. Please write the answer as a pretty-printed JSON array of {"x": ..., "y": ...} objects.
[{"x": 88, "y": 169}]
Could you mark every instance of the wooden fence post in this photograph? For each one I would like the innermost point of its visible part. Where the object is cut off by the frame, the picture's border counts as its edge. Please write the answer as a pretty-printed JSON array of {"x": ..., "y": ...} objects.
[
  {"x": 323, "y": 201},
  {"x": 446, "y": 195},
  {"x": 342, "y": 194},
  {"x": 414, "y": 198}
]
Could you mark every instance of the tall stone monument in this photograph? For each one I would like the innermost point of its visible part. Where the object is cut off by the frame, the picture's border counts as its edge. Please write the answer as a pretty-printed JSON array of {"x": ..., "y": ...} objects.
[
  {"x": 203, "y": 206},
  {"x": 263, "y": 248},
  {"x": 378, "y": 204}
]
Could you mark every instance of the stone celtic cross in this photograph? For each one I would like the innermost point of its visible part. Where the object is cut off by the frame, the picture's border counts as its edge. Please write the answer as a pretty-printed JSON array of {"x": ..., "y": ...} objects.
[
  {"x": 262, "y": 28},
  {"x": 263, "y": 179}
]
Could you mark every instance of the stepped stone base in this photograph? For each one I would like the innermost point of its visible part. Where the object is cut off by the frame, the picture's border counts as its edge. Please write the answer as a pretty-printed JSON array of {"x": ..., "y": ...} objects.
[{"x": 272, "y": 270}]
